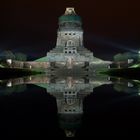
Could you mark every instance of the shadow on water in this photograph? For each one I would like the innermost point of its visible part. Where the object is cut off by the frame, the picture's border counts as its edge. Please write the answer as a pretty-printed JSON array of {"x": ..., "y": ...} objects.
[{"x": 46, "y": 106}]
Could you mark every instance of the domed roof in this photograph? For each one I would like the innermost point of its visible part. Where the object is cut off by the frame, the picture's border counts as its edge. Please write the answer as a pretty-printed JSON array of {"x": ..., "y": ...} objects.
[{"x": 70, "y": 16}]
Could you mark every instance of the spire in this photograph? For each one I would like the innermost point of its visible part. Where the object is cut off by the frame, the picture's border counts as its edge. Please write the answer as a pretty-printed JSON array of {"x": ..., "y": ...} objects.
[
  {"x": 69, "y": 133},
  {"x": 70, "y": 11}
]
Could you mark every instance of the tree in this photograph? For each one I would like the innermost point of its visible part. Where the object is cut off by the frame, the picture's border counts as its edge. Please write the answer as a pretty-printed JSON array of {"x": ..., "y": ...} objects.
[
  {"x": 118, "y": 59},
  {"x": 128, "y": 55},
  {"x": 7, "y": 55},
  {"x": 126, "y": 59},
  {"x": 20, "y": 57}
]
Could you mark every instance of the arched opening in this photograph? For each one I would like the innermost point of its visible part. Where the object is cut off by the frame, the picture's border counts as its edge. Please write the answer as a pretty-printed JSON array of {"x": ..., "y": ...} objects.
[
  {"x": 70, "y": 101},
  {"x": 70, "y": 43}
]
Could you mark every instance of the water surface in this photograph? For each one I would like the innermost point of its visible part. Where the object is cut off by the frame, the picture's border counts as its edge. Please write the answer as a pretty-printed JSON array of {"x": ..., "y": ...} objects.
[{"x": 69, "y": 106}]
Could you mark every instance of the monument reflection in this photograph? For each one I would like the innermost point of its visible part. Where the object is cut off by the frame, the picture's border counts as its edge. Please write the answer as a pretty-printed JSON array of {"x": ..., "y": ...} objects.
[{"x": 69, "y": 93}]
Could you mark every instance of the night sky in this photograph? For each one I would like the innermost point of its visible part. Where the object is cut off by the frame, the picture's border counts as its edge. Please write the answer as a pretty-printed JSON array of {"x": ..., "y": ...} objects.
[{"x": 30, "y": 26}]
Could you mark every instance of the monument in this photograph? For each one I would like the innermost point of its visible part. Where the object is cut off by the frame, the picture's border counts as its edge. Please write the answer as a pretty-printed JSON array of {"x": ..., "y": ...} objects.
[
  {"x": 70, "y": 52},
  {"x": 69, "y": 55}
]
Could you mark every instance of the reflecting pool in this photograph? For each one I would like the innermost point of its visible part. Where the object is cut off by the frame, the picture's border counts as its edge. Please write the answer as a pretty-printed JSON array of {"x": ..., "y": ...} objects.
[{"x": 69, "y": 106}]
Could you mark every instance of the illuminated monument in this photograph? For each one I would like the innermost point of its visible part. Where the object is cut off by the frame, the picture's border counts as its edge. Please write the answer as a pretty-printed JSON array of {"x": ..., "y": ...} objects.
[{"x": 70, "y": 52}]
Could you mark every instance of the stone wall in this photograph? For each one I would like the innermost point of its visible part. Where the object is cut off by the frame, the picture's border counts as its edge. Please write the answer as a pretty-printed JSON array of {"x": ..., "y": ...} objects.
[{"x": 30, "y": 65}]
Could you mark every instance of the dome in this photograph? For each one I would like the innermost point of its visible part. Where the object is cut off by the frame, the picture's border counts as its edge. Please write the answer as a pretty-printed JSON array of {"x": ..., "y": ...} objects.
[{"x": 70, "y": 18}]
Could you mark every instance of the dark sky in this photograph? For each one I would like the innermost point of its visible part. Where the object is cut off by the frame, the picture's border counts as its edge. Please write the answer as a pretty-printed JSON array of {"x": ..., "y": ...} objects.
[{"x": 30, "y": 26}]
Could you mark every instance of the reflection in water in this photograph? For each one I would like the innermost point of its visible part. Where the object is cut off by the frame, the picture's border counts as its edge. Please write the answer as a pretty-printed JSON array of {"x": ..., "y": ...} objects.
[
  {"x": 70, "y": 93},
  {"x": 127, "y": 86}
]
